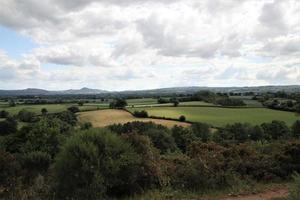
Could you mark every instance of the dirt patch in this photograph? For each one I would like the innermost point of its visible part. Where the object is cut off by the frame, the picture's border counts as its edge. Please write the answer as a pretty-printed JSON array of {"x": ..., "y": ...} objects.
[
  {"x": 102, "y": 118},
  {"x": 273, "y": 194}
]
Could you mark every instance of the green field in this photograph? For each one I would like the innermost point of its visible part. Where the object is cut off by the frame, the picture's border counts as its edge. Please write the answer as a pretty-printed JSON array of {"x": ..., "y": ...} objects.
[
  {"x": 52, "y": 108},
  {"x": 218, "y": 116},
  {"x": 142, "y": 101}
]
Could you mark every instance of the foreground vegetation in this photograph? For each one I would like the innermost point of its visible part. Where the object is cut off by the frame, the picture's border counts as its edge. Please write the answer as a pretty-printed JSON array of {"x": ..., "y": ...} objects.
[{"x": 57, "y": 158}]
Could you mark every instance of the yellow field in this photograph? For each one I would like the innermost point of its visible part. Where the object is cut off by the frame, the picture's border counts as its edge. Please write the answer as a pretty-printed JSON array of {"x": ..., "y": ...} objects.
[{"x": 102, "y": 118}]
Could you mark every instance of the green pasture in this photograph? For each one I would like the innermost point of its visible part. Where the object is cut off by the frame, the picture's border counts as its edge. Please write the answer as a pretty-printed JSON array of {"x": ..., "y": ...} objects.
[{"x": 219, "y": 116}]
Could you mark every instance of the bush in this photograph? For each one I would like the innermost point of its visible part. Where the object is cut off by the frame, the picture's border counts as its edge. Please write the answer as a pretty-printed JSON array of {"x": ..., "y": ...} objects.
[
  {"x": 118, "y": 103},
  {"x": 68, "y": 117},
  {"x": 183, "y": 137},
  {"x": 35, "y": 163},
  {"x": 276, "y": 130},
  {"x": 8, "y": 126},
  {"x": 26, "y": 116},
  {"x": 86, "y": 126},
  {"x": 94, "y": 164},
  {"x": 141, "y": 114},
  {"x": 182, "y": 118},
  {"x": 296, "y": 129},
  {"x": 3, "y": 114},
  {"x": 201, "y": 131},
  {"x": 73, "y": 109}
]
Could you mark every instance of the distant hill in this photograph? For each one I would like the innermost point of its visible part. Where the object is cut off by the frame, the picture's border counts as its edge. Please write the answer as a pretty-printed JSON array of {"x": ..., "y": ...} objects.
[
  {"x": 34, "y": 91},
  {"x": 160, "y": 91}
]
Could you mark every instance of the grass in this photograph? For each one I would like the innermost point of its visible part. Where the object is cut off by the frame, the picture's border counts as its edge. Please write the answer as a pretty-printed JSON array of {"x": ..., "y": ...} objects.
[
  {"x": 52, "y": 108},
  {"x": 142, "y": 101},
  {"x": 218, "y": 116},
  {"x": 102, "y": 118}
]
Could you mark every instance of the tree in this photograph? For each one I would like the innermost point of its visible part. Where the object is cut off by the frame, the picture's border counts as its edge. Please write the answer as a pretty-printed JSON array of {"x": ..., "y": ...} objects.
[
  {"x": 3, "y": 114},
  {"x": 8, "y": 126},
  {"x": 73, "y": 109},
  {"x": 26, "y": 116},
  {"x": 296, "y": 129},
  {"x": 94, "y": 164},
  {"x": 12, "y": 103},
  {"x": 201, "y": 131},
  {"x": 175, "y": 103},
  {"x": 80, "y": 103},
  {"x": 182, "y": 118},
  {"x": 44, "y": 111},
  {"x": 118, "y": 103},
  {"x": 276, "y": 129},
  {"x": 86, "y": 126},
  {"x": 256, "y": 133},
  {"x": 141, "y": 114}
]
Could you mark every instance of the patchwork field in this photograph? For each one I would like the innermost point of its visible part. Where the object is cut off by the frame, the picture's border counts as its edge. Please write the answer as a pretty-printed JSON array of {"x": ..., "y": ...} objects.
[
  {"x": 52, "y": 108},
  {"x": 218, "y": 116},
  {"x": 102, "y": 118}
]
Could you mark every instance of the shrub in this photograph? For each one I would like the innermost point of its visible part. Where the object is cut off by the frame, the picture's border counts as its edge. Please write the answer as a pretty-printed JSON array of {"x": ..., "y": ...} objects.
[
  {"x": 35, "y": 163},
  {"x": 68, "y": 117},
  {"x": 183, "y": 137},
  {"x": 94, "y": 164},
  {"x": 73, "y": 109},
  {"x": 201, "y": 130},
  {"x": 86, "y": 125},
  {"x": 44, "y": 111},
  {"x": 3, "y": 114},
  {"x": 141, "y": 114},
  {"x": 8, "y": 126},
  {"x": 118, "y": 103},
  {"x": 296, "y": 129},
  {"x": 276, "y": 129},
  {"x": 26, "y": 116},
  {"x": 182, "y": 118}
]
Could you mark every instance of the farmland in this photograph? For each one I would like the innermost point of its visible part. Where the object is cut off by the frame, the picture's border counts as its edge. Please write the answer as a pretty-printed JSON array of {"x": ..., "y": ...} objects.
[
  {"x": 102, "y": 118},
  {"x": 52, "y": 108},
  {"x": 219, "y": 116}
]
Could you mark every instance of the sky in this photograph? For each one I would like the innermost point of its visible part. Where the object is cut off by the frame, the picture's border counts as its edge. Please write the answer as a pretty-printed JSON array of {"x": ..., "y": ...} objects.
[{"x": 145, "y": 44}]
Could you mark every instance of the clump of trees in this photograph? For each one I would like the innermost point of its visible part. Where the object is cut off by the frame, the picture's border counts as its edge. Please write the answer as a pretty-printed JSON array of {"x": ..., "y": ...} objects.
[
  {"x": 118, "y": 104},
  {"x": 230, "y": 102},
  {"x": 141, "y": 114}
]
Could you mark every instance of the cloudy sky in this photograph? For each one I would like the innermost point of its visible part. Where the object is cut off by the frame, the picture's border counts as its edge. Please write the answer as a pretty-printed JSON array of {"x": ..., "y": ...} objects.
[{"x": 141, "y": 44}]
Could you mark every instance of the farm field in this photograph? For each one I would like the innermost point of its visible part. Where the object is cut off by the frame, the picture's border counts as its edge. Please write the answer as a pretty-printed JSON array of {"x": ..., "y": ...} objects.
[
  {"x": 102, "y": 118},
  {"x": 218, "y": 116},
  {"x": 52, "y": 108}
]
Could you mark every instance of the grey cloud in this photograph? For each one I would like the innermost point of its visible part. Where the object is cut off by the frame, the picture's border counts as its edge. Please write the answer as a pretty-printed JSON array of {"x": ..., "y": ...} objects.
[{"x": 281, "y": 47}]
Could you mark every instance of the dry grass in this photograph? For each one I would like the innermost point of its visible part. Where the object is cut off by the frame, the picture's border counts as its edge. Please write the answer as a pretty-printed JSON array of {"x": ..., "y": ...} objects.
[{"x": 102, "y": 118}]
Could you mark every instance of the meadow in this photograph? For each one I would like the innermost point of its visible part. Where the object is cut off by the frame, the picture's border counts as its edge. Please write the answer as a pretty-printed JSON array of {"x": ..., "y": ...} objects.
[
  {"x": 52, "y": 108},
  {"x": 102, "y": 118},
  {"x": 219, "y": 116}
]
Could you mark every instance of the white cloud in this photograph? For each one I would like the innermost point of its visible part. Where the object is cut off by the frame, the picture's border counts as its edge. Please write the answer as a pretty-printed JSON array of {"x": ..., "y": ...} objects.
[{"x": 138, "y": 44}]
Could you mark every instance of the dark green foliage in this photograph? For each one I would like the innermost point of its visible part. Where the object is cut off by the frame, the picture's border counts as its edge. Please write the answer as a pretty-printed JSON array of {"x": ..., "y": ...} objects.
[
  {"x": 201, "y": 131},
  {"x": 290, "y": 159},
  {"x": 35, "y": 163},
  {"x": 182, "y": 118},
  {"x": 162, "y": 100},
  {"x": 141, "y": 114},
  {"x": 150, "y": 170},
  {"x": 183, "y": 137},
  {"x": 9, "y": 169},
  {"x": 276, "y": 129},
  {"x": 256, "y": 133},
  {"x": 296, "y": 129},
  {"x": 44, "y": 111},
  {"x": 118, "y": 103},
  {"x": 206, "y": 96},
  {"x": 12, "y": 103},
  {"x": 4, "y": 114},
  {"x": 161, "y": 139},
  {"x": 68, "y": 117},
  {"x": 94, "y": 164},
  {"x": 26, "y": 116},
  {"x": 86, "y": 126},
  {"x": 73, "y": 109},
  {"x": 8, "y": 126},
  {"x": 80, "y": 103},
  {"x": 230, "y": 102}
]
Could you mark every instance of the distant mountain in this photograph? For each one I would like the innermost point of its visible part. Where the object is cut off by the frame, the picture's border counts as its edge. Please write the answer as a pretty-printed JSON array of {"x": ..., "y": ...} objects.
[
  {"x": 160, "y": 91},
  {"x": 84, "y": 91},
  {"x": 36, "y": 92}
]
